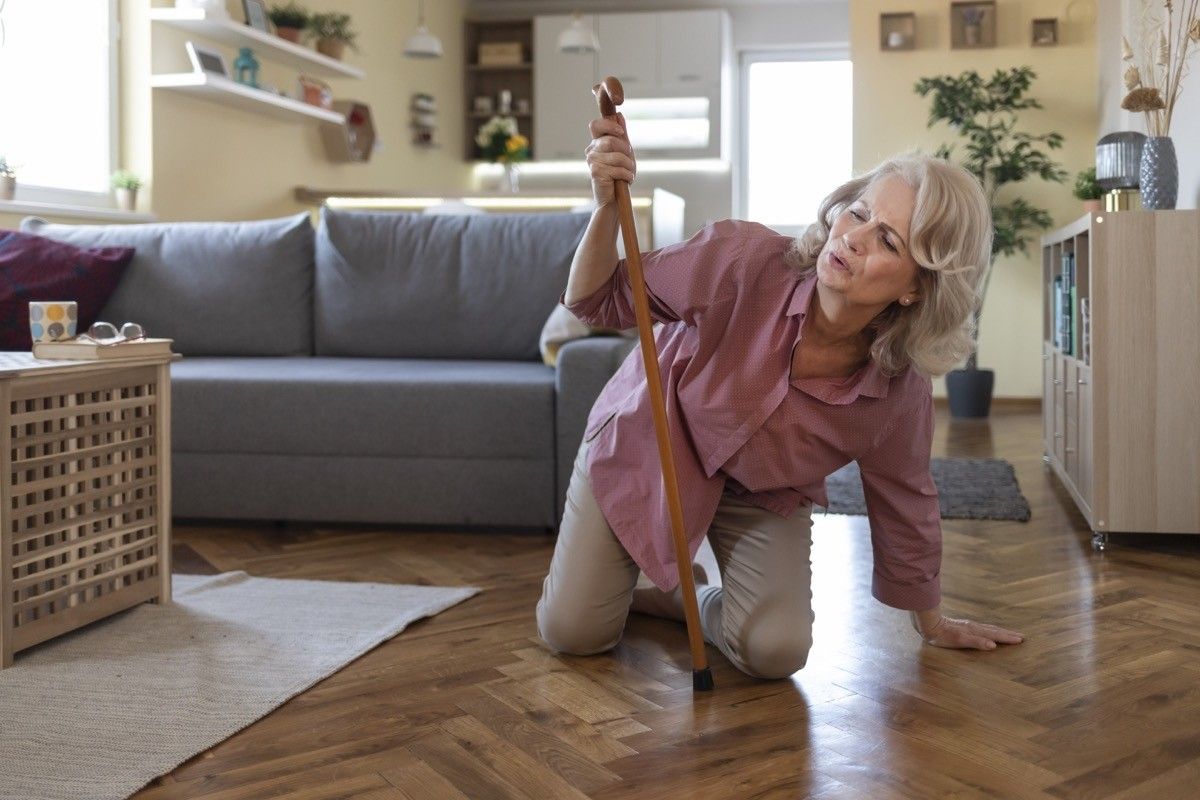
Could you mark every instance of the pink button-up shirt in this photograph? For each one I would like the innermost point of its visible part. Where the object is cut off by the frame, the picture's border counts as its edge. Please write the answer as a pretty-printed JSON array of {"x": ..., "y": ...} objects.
[{"x": 732, "y": 314}]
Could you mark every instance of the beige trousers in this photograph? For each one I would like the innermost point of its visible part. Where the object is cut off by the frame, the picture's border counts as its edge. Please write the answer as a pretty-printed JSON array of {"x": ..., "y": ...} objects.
[{"x": 760, "y": 618}]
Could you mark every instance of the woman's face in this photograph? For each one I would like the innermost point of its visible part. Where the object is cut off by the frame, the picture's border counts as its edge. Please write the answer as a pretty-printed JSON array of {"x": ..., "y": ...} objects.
[{"x": 866, "y": 258}]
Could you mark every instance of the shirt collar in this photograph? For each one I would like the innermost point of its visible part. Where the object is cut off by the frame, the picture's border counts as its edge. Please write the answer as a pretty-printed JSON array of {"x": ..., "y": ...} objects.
[{"x": 869, "y": 380}]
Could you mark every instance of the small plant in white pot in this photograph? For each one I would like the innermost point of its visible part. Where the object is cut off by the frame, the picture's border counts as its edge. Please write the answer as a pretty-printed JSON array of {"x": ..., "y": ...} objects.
[
  {"x": 8, "y": 180},
  {"x": 125, "y": 185}
]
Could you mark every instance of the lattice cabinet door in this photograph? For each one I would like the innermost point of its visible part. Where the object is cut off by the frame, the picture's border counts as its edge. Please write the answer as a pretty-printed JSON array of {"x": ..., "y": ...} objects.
[{"x": 86, "y": 513}]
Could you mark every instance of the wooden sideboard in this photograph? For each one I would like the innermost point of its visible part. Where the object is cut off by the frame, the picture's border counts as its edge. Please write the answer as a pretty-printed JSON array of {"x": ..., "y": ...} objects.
[{"x": 1121, "y": 380}]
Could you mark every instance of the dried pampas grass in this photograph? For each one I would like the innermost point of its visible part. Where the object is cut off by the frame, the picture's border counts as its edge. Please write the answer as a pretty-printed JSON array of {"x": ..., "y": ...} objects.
[{"x": 1154, "y": 81}]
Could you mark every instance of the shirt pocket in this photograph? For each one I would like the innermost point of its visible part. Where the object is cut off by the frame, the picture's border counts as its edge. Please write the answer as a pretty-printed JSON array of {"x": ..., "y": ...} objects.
[{"x": 596, "y": 431}]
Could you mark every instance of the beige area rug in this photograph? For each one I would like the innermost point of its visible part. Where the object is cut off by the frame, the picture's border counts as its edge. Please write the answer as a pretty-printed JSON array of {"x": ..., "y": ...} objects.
[{"x": 100, "y": 712}]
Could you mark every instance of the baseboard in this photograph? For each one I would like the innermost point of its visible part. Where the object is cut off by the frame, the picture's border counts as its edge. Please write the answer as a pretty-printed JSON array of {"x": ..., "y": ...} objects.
[{"x": 1032, "y": 404}]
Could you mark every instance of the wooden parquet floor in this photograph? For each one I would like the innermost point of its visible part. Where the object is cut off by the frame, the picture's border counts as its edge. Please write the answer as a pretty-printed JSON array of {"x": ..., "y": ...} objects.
[{"x": 1102, "y": 700}]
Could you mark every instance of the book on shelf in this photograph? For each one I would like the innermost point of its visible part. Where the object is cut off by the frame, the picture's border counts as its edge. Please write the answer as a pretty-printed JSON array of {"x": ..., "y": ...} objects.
[
  {"x": 1056, "y": 305},
  {"x": 1085, "y": 332},
  {"x": 76, "y": 350}
]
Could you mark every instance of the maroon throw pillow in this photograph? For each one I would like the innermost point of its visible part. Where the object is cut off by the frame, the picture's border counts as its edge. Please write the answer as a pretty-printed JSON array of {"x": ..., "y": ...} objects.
[{"x": 37, "y": 268}]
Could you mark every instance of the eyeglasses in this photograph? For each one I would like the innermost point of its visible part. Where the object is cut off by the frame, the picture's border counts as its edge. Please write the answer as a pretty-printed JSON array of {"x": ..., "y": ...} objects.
[{"x": 105, "y": 333}]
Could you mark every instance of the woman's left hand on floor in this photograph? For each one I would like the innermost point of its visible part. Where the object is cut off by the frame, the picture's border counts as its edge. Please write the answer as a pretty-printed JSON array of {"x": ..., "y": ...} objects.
[{"x": 942, "y": 631}]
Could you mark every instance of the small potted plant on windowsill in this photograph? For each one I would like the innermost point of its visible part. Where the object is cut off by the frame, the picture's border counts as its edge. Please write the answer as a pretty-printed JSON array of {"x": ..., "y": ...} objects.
[
  {"x": 290, "y": 21},
  {"x": 1087, "y": 190},
  {"x": 8, "y": 180},
  {"x": 333, "y": 34},
  {"x": 125, "y": 185}
]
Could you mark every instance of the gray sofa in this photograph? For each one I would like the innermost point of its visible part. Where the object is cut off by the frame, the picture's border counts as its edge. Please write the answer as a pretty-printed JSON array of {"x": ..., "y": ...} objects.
[{"x": 383, "y": 368}]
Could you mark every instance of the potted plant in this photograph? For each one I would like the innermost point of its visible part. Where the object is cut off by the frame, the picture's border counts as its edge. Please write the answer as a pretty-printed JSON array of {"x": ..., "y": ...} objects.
[
  {"x": 333, "y": 34},
  {"x": 1087, "y": 190},
  {"x": 8, "y": 180},
  {"x": 289, "y": 20},
  {"x": 125, "y": 184},
  {"x": 998, "y": 155}
]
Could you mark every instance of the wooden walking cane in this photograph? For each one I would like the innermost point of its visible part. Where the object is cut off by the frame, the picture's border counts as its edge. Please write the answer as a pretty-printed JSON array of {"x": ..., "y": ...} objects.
[{"x": 610, "y": 94}]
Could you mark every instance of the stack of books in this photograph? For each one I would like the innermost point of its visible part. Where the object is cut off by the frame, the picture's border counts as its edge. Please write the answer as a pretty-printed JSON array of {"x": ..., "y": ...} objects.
[{"x": 1066, "y": 320}]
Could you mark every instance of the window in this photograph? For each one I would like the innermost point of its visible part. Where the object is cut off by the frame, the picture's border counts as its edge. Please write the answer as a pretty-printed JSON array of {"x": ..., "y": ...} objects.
[
  {"x": 796, "y": 135},
  {"x": 58, "y": 80}
]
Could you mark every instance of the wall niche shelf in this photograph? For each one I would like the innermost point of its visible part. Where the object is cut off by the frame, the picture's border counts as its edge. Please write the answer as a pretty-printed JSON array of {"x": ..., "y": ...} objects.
[
  {"x": 223, "y": 90},
  {"x": 227, "y": 31}
]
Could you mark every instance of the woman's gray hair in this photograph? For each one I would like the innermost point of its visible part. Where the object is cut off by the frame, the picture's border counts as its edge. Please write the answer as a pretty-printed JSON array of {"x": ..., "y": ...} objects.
[{"x": 950, "y": 238}]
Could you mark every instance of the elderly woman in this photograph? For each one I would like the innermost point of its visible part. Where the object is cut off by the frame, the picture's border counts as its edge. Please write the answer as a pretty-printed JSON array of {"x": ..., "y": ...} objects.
[{"x": 782, "y": 360}]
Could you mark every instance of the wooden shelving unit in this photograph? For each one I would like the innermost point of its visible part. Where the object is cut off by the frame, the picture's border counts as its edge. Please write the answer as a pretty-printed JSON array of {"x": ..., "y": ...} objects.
[
  {"x": 491, "y": 80},
  {"x": 223, "y": 90},
  {"x": 1119, "y": 393},
  {"x": 234, "y": 34}
]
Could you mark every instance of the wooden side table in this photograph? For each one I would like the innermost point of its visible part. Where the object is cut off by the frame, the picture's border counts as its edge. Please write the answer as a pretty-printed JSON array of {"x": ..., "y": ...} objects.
[{"x": 85, "y": 492}]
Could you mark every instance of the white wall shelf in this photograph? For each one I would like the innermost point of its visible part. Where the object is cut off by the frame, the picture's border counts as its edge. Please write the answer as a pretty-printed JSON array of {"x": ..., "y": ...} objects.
[
  {"x": 227, "y": 31},
  {"x": 223, "y": 90}
]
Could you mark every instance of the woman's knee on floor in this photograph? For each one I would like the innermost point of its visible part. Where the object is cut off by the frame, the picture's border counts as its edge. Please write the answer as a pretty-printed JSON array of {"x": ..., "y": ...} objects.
[
  {"x": 775, "y": 647},
  {"x": 570, "y": 631}
]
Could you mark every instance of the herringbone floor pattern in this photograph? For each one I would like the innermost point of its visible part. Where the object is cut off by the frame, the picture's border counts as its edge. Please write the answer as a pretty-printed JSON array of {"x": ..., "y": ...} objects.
[{"x": 1101, "y": 701}]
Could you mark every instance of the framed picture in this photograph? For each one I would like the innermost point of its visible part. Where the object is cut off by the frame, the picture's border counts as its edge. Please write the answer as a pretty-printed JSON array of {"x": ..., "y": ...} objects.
[
  {"x": 205, "y": 60},
  {"x": 1045, "y": 32},
  {"x": 972, "y": 25},
  {"x": 897, "y": 31},
  {"x": 256, "y": 15}
]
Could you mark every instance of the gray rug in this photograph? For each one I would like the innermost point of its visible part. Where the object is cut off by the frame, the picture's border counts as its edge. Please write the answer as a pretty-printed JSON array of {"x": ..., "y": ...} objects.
[
  {"x": 101, "y": 711},
  {"x": 968, "y": 488}
]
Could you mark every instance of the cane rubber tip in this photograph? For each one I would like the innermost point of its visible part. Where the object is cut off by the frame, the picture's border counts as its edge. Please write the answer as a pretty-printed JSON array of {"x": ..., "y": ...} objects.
[{"x": 702, "y": 680}]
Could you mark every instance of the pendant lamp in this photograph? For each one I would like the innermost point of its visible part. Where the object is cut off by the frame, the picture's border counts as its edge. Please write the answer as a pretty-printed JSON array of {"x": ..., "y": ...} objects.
[
  {"x": 422, "y": 44},
  {"x": 578, "y": 37}
]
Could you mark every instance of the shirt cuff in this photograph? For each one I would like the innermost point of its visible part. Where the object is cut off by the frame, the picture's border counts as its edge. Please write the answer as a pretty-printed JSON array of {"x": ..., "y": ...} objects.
[{"x": 907, "y": 597}]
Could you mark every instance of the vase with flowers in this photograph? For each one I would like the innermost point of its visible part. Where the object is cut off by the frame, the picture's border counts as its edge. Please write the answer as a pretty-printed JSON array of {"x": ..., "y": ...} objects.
[
  {"x": 973, "y": 26},
  {"x": 1153, "y": 76},
  {"x": 8, "y": 179},
  {"x": 501, "y": 143}
]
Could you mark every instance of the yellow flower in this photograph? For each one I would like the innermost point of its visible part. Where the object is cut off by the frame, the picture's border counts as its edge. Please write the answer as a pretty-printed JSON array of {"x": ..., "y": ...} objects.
[{"x": 516, "y": 143}]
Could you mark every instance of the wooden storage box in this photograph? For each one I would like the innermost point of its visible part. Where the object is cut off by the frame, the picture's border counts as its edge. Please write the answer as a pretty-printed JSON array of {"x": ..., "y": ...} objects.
[
  {"x": 85, "y": 515},
  {"x": 500, "y": 54}
]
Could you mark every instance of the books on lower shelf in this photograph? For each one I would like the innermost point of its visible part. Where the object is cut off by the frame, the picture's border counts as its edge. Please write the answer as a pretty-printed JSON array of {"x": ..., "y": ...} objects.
[
  {"x": 75, "y": 350},
  {"x": 1067, "y": 330}
]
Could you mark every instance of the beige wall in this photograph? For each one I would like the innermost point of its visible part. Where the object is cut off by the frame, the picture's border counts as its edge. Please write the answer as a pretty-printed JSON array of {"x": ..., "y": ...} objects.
[
  {"x": 213, "y": 161},
  {"x": 889, "y": 117},
  {"x": 204, "y": 160}
]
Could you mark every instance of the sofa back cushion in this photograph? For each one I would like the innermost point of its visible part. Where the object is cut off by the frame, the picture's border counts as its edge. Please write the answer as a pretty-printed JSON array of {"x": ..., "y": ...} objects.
[
  {"x": 37, "y": 268},
  {"x": 216, "y": 288},
  {"x": 394, "y": 285}
]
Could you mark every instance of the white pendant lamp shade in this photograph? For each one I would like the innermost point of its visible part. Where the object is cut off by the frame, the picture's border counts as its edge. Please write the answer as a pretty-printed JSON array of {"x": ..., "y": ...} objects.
[
  {"x": 578, "y": 38},
  {"x": 422, "y": 44}
]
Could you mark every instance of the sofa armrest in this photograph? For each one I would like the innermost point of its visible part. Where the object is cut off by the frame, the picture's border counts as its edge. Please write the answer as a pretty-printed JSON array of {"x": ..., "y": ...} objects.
[{"x": 583, "y": 369}]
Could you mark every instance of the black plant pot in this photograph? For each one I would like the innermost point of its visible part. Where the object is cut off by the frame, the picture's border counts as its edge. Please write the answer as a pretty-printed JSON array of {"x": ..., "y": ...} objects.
[{"x": 970, "y": 392}]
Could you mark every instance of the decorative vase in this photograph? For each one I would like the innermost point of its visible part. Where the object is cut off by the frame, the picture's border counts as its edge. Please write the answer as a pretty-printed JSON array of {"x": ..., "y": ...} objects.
[
  {"x": 511, "y": 178},
  {"x": 126, "y": 199},
  {"x": 971, "y": 32},
  {"x": 970, "y": 392},
  {"x": 331, "y": 47},
  {"x": 1093, "y": 206},
  {"x": 1158, "y": 175},
  {"x": 290, "y": 34},
  {"x": 8, "y": 187}
]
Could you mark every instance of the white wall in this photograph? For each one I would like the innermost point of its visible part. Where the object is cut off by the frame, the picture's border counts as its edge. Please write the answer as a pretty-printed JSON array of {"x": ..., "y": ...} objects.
[{"x": 1185, "y": 122}]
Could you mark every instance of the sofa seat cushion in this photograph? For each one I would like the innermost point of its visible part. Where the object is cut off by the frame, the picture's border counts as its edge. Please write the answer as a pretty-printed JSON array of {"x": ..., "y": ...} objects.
[{"x": 363, "y": 407}]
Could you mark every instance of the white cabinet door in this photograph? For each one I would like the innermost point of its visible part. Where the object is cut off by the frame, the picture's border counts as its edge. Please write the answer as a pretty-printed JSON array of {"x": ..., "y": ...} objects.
[
  {"x": 629, "y": 50},
  {"x": 562, "y": 92},
  {"x": 690, "y": 53}
]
